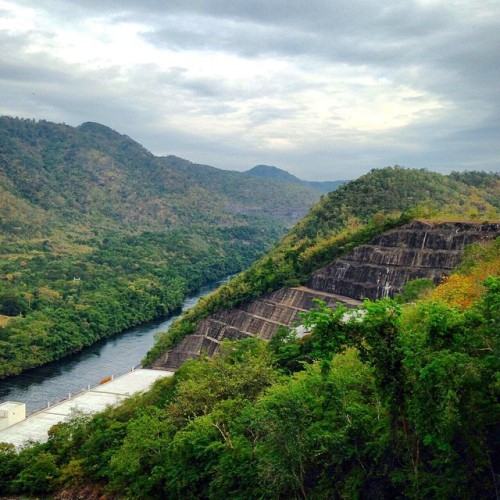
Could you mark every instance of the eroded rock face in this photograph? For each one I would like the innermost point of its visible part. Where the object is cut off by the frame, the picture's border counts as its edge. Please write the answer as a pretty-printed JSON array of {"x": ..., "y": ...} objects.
[{"x": 379, "y": 269}]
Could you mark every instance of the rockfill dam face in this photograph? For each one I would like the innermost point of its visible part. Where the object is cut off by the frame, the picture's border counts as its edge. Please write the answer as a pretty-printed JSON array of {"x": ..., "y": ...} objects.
[{"x": 372, "y": 271}]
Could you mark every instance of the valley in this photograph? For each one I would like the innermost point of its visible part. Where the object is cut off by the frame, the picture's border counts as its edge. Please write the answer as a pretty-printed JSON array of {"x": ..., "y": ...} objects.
[
  {"x": 98, "y": 235},
  {"x": 387, "y": 390},
  {"x": 111, "y": 356},
  {"x": 249, "y": 250}
]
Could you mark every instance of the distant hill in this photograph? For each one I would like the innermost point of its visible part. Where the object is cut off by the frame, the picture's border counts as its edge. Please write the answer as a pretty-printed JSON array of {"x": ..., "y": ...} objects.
[
  {"x": 326, "y": 186},
  {"x": 275, "y": 173},
  {"x": 279, "y": 199},
  {"x": 95, "y": 174},
  {"x": 269, "y": 172},
  {"x": 139, "y": 230}
]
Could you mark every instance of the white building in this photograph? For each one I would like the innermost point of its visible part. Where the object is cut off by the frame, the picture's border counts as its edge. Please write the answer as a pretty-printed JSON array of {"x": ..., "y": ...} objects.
[{"x": 11, "y": 413}]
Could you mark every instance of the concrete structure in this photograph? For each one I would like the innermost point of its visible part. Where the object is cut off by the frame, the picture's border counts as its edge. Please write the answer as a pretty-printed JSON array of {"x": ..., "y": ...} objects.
[
  {"x": 11, "y": 413},
  {"x": 35, "y": 427}
]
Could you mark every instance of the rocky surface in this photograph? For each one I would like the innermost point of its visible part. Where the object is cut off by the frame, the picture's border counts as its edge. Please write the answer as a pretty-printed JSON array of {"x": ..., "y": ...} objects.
[
  {"x": 379, "y": 269},
  {"x": 261, "y": 318},
  {"x": 417, "y": 250}
]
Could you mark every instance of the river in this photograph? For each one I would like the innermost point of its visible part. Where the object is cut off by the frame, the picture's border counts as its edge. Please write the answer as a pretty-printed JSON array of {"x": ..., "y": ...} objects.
[{"x": 111, "y": 356}]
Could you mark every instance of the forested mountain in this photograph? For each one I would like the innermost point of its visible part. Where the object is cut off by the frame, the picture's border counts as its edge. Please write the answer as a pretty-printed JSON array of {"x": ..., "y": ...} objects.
[
  {"x": 97, "y": 234},
  {"x": 397, "y": 400},
  {"x": 274, "y": 173},
  {"x": 92, "y": 173}
]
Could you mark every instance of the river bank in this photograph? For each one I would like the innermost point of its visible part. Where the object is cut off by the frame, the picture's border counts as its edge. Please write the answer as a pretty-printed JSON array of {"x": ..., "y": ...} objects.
[{"x": 111, "y": 356}]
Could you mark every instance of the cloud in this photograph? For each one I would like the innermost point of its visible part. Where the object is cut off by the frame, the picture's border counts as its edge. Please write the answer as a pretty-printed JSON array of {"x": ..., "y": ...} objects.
[{"x": 322, "y": 89}]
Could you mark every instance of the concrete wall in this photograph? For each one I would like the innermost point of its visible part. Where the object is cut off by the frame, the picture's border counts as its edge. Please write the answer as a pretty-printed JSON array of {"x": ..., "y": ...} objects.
[
  {"x": 417, "y": 250},
  {"x": 379, "y": 269}
]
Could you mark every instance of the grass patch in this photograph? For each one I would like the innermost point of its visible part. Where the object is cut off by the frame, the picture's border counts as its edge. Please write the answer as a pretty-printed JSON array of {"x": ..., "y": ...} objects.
[{"x": 5, "y": 319}]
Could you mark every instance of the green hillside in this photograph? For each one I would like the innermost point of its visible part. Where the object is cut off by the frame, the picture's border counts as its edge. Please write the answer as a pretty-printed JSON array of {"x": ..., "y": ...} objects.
[
  {"x": 398, "y": 402},
  {"x": 93, "y": 174},
  {"x": 249, "y": 195},
  {"x": 98, "y": 235},
  {"x": 274, "y": 173}
]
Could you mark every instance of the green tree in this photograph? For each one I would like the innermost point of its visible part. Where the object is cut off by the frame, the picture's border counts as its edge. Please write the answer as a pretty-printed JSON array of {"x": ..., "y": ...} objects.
[{"x": 39, "y": 475}]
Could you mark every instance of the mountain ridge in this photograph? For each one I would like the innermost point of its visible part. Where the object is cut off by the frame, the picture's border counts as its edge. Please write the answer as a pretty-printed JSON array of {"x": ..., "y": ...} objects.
[
  {"x": 115, "y": 176},
  {"x": 275, "y": 173}
]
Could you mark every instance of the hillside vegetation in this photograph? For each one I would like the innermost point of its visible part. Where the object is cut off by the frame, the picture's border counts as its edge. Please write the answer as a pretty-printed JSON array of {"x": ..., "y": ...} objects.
[
  {"x": 396, "y": 402},
  {"x": 399, "y": 404},
  {"x": 98, "y": 235},
  {"x": 92, "y": 173},
  {"x": 350, "y": 216}
]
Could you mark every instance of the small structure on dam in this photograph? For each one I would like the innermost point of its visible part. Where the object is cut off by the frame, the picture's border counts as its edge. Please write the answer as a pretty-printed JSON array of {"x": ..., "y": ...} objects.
[
  {"x": 11, "y": 413},
  {"x": 35, "y": 427}
]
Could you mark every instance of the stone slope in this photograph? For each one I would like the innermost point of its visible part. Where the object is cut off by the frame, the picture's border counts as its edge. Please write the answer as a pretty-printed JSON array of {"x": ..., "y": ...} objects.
[
  {"x": 378, "y": 269},
  {"x": 417, "y": 250},
  {"x": 259, "y": 318}
]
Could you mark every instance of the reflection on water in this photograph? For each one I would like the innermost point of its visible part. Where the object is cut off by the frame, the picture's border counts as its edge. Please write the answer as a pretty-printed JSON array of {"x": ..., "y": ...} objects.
[{"x": 113, "y": 356}]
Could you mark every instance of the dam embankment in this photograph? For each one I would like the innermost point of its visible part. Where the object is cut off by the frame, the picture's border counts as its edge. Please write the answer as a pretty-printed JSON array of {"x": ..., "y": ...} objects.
[{"x": 378, "y": 269}]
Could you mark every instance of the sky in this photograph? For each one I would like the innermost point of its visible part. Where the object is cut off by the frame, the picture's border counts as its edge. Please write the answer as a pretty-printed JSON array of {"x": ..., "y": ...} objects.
[{"x": 325, "y": 89}]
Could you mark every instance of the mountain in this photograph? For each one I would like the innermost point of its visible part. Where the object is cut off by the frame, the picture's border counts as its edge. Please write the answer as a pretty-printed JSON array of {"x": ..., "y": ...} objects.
[
  {"x": 93, "y": 173},
  {"x": 326, "y": 186},
  {"x": 274, "y": 173},
  {"x": 97, "y": 234},
  {"x": 278, "y": 198}
]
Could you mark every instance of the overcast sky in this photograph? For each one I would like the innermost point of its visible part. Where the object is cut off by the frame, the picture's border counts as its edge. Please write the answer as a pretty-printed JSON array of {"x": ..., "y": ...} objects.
[{"x": 326, "y": 89}]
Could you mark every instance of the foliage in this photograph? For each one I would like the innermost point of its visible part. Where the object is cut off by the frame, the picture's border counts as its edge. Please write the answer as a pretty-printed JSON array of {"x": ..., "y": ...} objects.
[
  {"x": 386, "y": 401},
  {"x": 273, "y": 173},
  {"x": 289, "y": 353},
  {"x": 464, "y": 287},
  {"x": 98, "y": 235},
  {"x": 123, "y": 282},
  {"x": 414, "y": 289}
]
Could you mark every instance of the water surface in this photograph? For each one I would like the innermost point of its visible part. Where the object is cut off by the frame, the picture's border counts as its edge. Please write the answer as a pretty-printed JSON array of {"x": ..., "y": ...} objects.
[{"x": 112, "y": 356}]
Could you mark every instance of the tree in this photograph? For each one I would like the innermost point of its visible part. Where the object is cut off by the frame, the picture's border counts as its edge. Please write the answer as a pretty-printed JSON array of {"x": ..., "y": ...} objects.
[{"x": 39, "y": 475}]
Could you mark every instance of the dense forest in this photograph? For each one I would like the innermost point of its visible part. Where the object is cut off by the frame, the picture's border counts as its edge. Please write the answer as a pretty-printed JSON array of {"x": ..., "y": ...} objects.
[
  {"x": 350, "y": 216},
  {"x": 98, "y": 235},
  {"x": 400, "y": 401}
]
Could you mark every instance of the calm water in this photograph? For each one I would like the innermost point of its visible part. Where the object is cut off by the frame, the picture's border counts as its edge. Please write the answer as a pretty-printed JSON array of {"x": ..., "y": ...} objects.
[{"x": 113, "y": 356}]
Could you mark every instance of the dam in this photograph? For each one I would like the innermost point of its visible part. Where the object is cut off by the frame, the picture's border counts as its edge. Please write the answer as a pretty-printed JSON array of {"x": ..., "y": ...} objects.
[
  {"x": 36, "y": 426},
  {"x": 380, "y": 268}
]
